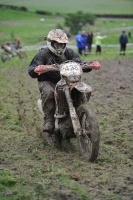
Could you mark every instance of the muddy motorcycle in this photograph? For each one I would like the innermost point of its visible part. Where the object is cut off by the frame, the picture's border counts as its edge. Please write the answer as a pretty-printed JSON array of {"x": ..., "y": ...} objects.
[
  {"x": 7, "y": 55},
  {"x": 4, "y": 56},
  {"x": 73, "y": 117}
]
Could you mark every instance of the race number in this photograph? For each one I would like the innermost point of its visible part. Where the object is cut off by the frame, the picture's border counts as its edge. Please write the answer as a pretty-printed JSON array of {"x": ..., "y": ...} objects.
[{"x": 70, "y": 69}]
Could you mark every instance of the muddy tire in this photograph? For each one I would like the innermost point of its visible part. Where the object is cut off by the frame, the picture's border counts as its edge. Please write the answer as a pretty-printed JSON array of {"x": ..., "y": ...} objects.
[
  {"x": 57, "y": 138},
  {"x": 89, "y": 141}
]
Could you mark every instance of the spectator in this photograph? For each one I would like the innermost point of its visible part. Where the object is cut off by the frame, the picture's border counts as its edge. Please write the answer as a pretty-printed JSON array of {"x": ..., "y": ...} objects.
[
  {"x": 89, "y": 41},
  {"x": 129, "y": 34},
  {"x": 79, "y": 40},
  {"x": 84, "y": 41},
  {"x": 123, "y": 39},
  {"x": 98, "y": 43}
]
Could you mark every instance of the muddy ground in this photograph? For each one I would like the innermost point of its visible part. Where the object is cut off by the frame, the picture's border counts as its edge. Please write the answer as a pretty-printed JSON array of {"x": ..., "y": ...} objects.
[{"x": 30, "y": 169}]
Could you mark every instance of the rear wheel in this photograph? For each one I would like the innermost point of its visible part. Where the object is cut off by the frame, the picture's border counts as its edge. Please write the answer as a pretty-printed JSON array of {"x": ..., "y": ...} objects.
[{"x": 89, "y": 141}]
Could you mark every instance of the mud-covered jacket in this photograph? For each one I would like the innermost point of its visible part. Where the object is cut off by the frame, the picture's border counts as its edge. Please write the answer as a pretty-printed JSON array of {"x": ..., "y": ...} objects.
[{"x": 46, "y": 57}]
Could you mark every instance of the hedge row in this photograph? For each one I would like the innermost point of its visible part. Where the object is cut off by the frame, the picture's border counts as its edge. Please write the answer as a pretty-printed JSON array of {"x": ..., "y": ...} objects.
[
  {"x": 22, "y": 8},
  {"x": 114, "y": 15}
]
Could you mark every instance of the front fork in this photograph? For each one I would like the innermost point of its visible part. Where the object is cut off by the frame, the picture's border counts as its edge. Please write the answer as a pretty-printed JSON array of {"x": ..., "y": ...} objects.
[{"x": 73, "y": 114}]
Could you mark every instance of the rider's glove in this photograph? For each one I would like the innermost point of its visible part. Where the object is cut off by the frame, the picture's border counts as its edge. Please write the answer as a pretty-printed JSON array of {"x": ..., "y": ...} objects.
[
  {"x": 95, "y": 65},
  {"x": 40, "y": 69}
]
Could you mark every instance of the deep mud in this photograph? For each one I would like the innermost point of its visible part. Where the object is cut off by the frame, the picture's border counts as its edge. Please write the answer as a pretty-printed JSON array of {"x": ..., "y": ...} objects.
[{"x": 41, "y": 172}]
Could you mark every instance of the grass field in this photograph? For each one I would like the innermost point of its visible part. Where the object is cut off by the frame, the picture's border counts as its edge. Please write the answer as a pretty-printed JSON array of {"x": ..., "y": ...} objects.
[
  {"x": 24, "y": 25},
  {"x": 95, "y": 6},
  {"x": 28, "y": 27}
]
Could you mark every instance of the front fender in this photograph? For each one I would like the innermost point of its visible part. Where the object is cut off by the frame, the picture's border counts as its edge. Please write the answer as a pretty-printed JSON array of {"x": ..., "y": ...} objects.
[{"x": 83, "y": 87}]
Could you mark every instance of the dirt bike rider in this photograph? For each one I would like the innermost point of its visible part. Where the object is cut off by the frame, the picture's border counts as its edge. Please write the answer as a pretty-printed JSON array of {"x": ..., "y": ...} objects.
[{"x": 56, "y": 52}]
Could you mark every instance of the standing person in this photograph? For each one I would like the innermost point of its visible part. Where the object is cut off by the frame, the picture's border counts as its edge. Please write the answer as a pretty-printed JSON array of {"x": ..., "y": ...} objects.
[
  {"x": 98, "y": 43},
  {"x": 129, "y": 34},
  {"x": 56, "y": 52},
  {"x": 84, "y": 42},
  {"x": 79, "y": 41},
  {"x": 123, "y": 42},
  {"x": 89, "y": 41}
]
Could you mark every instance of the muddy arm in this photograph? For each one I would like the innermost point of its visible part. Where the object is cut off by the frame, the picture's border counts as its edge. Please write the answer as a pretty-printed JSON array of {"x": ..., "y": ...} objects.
[{"x": 40, "y": 69}]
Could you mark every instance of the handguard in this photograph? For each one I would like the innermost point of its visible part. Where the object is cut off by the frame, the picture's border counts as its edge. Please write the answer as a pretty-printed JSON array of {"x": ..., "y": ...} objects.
[
  {"x": 92, "y": 65},
  {"x": 40, "y": 69},
  {"x": 95, "y": 65}
]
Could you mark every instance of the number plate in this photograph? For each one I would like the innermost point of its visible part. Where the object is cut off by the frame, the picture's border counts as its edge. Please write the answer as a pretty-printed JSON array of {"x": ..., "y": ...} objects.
[{"x": 68, "y": 69}]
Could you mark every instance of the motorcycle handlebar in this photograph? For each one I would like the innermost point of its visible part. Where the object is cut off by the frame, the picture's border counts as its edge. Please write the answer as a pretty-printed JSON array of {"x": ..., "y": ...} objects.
[{"x": 56, "y": 67}]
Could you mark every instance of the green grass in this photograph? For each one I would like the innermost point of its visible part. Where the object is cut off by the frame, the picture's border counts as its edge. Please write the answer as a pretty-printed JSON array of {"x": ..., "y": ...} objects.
[
  {"x": 28, "y": 27},
  {"x": 101, "y": 6}
]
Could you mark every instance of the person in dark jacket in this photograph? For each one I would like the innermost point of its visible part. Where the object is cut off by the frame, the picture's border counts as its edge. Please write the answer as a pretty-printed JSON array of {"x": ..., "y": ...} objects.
[
  {"x": 123, "y": 42},
  {"x": 56, "y": 52},
  {"x": 89, "y": 41}
]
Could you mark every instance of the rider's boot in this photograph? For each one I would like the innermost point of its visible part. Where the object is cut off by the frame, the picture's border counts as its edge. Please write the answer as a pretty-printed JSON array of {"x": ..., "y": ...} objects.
[
  {"x": 48, "y": 130},
  {"x": 48, "y": 125}
]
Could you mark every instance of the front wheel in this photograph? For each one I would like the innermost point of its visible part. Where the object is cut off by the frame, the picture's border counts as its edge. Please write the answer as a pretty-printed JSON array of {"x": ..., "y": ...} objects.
[{"x": 89, "y": 140}]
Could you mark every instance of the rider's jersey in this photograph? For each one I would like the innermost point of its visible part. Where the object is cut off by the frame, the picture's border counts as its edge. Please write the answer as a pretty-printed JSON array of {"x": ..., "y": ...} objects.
[{"x": 46, "y": 57}]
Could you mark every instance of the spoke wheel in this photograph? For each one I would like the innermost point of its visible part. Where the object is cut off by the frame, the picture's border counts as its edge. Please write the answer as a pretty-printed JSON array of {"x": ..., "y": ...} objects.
[{"x": 89, "y": 140}]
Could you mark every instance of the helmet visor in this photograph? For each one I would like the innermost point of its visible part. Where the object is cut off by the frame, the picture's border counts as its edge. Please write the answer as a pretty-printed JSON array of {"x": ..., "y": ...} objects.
[{"x": 57, "y": 45}]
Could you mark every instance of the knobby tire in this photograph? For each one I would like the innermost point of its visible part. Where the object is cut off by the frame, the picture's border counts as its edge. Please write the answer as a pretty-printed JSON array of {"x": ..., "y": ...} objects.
[{"x": 89, "y": 141}]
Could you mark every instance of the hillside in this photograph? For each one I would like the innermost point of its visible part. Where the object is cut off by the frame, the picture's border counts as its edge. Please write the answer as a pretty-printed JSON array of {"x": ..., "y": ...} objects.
[{"x": 59, "y": 6}]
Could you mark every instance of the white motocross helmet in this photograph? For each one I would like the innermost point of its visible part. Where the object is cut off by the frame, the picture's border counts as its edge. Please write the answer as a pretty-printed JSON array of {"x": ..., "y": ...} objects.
[{"x": 57, "y": 35}]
